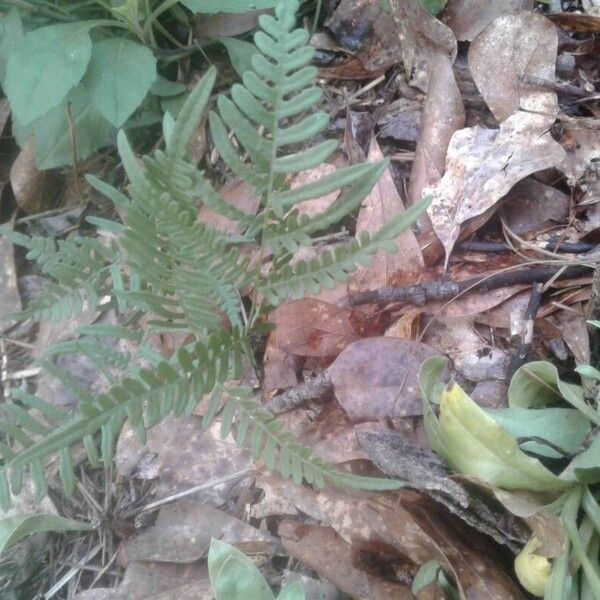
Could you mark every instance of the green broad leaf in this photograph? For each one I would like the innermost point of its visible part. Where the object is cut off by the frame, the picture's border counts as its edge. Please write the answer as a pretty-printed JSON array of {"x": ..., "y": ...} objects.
[
  {"x": 47, "y": 65},
  {"x": 434, "y": 6},
  {"x": 537, "y": 384},
  {"x": 163, "y": 88},
  {"x": 432, "y": 572},
  {"x": 595, "y": 324},
  {"x": 118, "y": 78},
  {"x": 473, "y": 443},
  {"x": 234, "y": 576},
  {"x": 293, "y": 591},
  {"x": 588, "y": 371},
  {"x": 11, "y": 36},
  {"x": 227, "y": 6},
  {"x": 53, "y": 136},
  {"x": 565, "y": 428},
  {"x": 13, "y": 529},
  {"x": 240, "y": 53},
  {"x": 586, "y": 466}
]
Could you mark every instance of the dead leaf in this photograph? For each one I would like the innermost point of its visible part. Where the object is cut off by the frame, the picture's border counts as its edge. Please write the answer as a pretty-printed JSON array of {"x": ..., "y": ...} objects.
[
  {"x": 378, "y": 207},
  {"x": 310, "y": 327},
  {"x": 577, "y": 22},
  {"x": 474, "y": 358},
  {"x": 422, "y": 37},
  {"x": 186, "y": 456},
  {"x": 377, "y": 377},
  {"x": 532, "y": 206},
  {"x": 324, "y": 551},
  {"x": 281, "y": 368},
  {"x": 238, "y": 194},
  {"x": 510, "y": 48},
  {"x": 183, "y": 531},
  {"x": 33, "y": 189},
  {"x": 468, "y": 18},
  {"x": 443, "y": 115},
  {"x": 10, "y": 300},
  {"x": 573, "y": 326},
  {"x": 481, "y": 167},
  {"x": 316, "y": 206},
  {"x": 582, "y": 147}
]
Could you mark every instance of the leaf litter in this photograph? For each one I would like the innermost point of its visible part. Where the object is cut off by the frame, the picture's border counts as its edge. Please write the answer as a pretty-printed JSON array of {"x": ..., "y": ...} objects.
[{"x": 501, "y": 131}]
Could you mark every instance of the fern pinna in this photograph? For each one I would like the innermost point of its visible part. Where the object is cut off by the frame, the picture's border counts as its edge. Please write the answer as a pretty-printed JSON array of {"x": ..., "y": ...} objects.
[{"x": 166, "y": 271}]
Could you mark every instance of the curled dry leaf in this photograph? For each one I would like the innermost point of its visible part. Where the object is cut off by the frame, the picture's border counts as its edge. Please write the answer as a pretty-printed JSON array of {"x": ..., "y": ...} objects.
[
  {"x": 378, "y": 207},
  {"x": 443, "y": 114},
  {"x": 312, "y": 208},
  {"x": 511, "y": 49},
  {"x": 468, "y": 18},
  {"x": 481, "y": 167},
  {"x": 311, "y": 327},
  {"x": 183, "y": 531},
  {"x": 422, "y": 37},
  {"x": 377, "y": 377}
]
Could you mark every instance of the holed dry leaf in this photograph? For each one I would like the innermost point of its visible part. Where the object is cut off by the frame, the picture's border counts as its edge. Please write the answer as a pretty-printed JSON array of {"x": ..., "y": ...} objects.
[
  {"x": 311, "y": 327},
  {"x": 509, "y": 49},
  {"x": 377, "y": 208},
  {"x": 481, "y": 167},
  {"x": 468, "y": 18},
  {"x": 377, "y": 377},
  {"x": 422, "y": 36}
]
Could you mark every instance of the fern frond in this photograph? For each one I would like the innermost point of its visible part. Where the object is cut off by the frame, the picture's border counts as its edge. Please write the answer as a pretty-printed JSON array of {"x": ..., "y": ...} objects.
[
  {"x": 281, "y": 451},
  {"x": 79, "y": 268},
  {"x": 146, "y": 398}
]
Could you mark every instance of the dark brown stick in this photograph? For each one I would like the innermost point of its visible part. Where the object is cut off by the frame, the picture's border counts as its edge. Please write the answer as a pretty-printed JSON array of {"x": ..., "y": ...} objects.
[
  {"x": 309, "y": 390},
  {"x": 445, "y": 290}
]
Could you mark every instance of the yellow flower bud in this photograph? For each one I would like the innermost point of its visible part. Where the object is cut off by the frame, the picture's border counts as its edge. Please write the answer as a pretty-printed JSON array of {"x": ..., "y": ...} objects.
[{"x": 532, "y": 569}]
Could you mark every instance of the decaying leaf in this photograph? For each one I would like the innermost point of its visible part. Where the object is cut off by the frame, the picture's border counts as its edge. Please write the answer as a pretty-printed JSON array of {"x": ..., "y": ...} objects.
[
  {"x": 310, "y": 327},
  {"x": 323, "y": 550},
  {"x": 182, "y": 455},
  {"x": 183, "y": 531},
  {"x": 379, "y": 206},
  {"x": 467, "y": 18},
  {"x": 481, "y": 167},
  {"x": 511, "y": 49},
  {"x": 422, "y": 36},
  {"x": 377, "y": 377},
  {"x": 443, "y": 114}
]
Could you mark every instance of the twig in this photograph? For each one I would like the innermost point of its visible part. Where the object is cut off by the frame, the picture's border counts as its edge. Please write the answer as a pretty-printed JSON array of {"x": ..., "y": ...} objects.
[
  {"x": 566, "y": 247},
  {"x": 520, "y": 356},
  {"x": 421, "y": 293},
  {"x": 311, "y": 389}
]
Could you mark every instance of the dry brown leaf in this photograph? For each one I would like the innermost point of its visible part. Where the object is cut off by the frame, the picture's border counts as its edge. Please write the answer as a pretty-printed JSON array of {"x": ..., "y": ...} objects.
[
  {"x": 510, "y": 48},
  {"x": 183, "y": 532},
  {"x": 311, "y": 327},
  {"x": 413, "y": 527},
  {"x": 182, "y": 455},
  {"x": 377, "y": 208},
  {"x": 238, "y": 194},
  {"x": 281, "y": 368},
  {"x": 377, "y": 377},
  {"x": 472, "y": 355},
  {"x": 316, "y": 206},
  {"x": 573, "y": 326},
  {"x": 10, "y": 300},
  {"x": 443, "y": 114},
  {"x": 531, "y": 206},
  {"x": 422, "y": 37},
  {"x": 577, "y": 22},
  {"x": 468, "y": 18},
  {"x": 324, "y": 551},
  {"x": 481, "y": 167},
  {"x": 33, "y": 189},
  {"x": 582, "y": 147}
]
